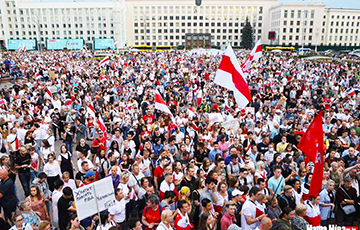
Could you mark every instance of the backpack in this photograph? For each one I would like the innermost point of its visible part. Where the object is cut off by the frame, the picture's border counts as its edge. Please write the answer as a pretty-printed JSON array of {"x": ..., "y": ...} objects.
[
  {"x": 147, "y": 209},
  {"x": 277, "y": 225},
  {"x": 94, "y": 150}
]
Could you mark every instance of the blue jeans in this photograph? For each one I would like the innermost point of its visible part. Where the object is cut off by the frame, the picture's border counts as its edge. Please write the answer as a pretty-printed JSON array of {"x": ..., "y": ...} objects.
[
  {"x": 25, "y": 182},
  {"x": 33, "y": 175},
  {"x": 69, "y": 146}
]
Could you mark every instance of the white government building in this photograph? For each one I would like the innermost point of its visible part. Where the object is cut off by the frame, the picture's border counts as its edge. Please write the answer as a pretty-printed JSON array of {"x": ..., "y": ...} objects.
[{"x": 161, "y": 22}]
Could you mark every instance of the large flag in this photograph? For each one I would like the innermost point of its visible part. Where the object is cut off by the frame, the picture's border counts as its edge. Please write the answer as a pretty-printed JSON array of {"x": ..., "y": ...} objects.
[
  {"x": 104, "y": 61},
  {"x": 254, "y": 55},
  {"x": 91, "y": 111},
  {"x": 312, "y": 144},
  {"x": 161, "y": 105},
  {"x": 102, "y": 126},
  {"x": 230, "y": 76},
  {"x": 49, "y": 95}
]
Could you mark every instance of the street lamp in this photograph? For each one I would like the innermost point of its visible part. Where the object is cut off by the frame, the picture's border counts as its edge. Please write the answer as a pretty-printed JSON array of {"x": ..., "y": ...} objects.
[
  {"x": 36, "y": 21},
  {"x": 144, "y": 19}
]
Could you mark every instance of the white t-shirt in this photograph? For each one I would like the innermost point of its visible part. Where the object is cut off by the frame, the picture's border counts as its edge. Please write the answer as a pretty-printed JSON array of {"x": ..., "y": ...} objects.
[
  {"x": 135, "y": 182},
  {"x": 79, "y": 162},
  {"x": 118, "y": 211},
  {"x": 55, "y": 198},
  {"x": 249, "y": 209},
  {"x": 53, "y": 169}
]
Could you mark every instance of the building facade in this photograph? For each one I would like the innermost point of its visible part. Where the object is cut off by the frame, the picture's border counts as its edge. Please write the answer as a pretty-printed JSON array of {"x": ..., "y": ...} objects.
[
  {"x": 161, "y": 22},
  {"x": 25, "y": 19}
]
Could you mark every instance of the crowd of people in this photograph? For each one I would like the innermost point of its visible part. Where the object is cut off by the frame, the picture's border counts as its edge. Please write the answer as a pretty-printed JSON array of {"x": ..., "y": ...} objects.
[{"x": 192, "y": 171}]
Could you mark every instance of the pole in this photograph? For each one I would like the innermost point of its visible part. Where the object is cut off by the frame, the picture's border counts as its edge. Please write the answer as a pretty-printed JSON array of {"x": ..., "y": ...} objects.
[{"x": 97, "y": 206}]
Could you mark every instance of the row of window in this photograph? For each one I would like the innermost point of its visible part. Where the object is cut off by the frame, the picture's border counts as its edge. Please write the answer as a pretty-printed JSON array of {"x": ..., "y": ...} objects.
[
  {"x": 343, "y": 17},
  {"x": 297, "y": 37},
  {"x": 341, "y": 38},
  {"x": 343, "y": 23},
  {"x": 298, "y": 23},
  {"x": 299, "y": 12},
  {"x": 17, "y": 33},
  {"x": 346, "y": 31},
  {"x": 23, "y": 26},
  {"x": 236, "y": 31},
  {"x": 207, "y": 24}
]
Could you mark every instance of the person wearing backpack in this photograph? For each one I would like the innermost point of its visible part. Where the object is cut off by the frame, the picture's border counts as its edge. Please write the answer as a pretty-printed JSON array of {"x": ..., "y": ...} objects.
[
  {"x": 287, "y": 199},
  {"x": 284, "y": 222},
  {"x": 151, "y": 216}
]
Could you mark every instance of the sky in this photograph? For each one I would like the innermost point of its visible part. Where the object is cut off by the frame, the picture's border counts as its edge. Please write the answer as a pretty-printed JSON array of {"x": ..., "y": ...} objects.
[{"x": 354, "y": 4}]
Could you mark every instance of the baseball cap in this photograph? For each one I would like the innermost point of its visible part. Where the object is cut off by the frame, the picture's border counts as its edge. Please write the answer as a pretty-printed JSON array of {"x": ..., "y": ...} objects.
[
  {"x": 89, "y": 174},
  {"x": 236, "y": 192}
]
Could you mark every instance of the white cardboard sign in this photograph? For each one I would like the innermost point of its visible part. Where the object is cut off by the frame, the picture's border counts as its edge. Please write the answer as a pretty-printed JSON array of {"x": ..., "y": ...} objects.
[{"x": 94, "y": 198}]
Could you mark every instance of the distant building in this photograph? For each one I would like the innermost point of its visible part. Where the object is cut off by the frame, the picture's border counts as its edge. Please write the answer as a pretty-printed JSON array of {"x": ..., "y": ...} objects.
[{"x": 161, "y": 22}]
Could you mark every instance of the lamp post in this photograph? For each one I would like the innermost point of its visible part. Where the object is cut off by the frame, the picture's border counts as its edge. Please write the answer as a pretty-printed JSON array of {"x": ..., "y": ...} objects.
[
  {"x": 36, "y": 21},
  {"x": 144, "y": 19}
]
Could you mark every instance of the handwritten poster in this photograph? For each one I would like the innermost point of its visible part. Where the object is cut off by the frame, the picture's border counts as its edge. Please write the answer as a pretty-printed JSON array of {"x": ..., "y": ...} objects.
[{"x": 85, "y": 198}]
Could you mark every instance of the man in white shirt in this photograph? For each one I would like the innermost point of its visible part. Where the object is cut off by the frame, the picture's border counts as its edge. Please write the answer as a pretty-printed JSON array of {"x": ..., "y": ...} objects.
[
  {"x": 81, "y": 158},
  {"x": 21, "y": 132},
  {"x": 135, "y": 177},
  {"x": 118, "y": 211},
  {"x": 57, "y": 193},
  {"x": 248, "y": 214}
]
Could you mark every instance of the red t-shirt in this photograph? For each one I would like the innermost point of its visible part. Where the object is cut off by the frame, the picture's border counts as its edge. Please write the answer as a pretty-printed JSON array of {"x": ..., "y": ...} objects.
[
  {"x": 152, "y": 216},
  {"x": 151, "y": 117},
  {"x": 158, "y": 172},
  {"x": 98, "y": 141}
]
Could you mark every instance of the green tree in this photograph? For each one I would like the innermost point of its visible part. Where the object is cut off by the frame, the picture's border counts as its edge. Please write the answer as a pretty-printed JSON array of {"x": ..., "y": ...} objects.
[{"x": 247, "y": 35}]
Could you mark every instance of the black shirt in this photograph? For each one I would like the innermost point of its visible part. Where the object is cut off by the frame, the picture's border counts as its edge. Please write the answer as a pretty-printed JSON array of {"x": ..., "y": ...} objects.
[
  {"x": 186, "y": 182},
  {"x": 64, "y": 213},
  {"x": 8, "y": 192},
  {"x": 23, "y": 160},
  {"x": 80, "y": 176},
  {"x": 83, "y": 149}
]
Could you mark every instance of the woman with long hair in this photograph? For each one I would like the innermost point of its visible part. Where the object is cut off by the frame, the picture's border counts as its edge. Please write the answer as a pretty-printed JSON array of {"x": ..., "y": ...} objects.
[
  {"x": 102, "y": 164},
  {"x": 75, "y": 223},
  {"x": 195, "y": 199},
  {"x": 106, "y": 223},
  {"x": 313, "y": 211},
  {"x": 306, "y": 186},
  {"x": 37, "y": 202},
  {"x": 65, "y": 161},
  {"x": 45, "y": 150},
  {"x": 260, "y": 171},
  {"x": 220, "y": 196},
  {"x": 52, "y": 170},
  {"x": 114, "y": 148},
  {"x": 206, "y": 222}
]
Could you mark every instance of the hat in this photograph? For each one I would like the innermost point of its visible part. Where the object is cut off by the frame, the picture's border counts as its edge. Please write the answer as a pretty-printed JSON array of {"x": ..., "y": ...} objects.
[
  {"x": 89, "y": 174},
  {"x": 347, "y": 179},
  {"x": 236, "y": 192},
  {"x": 278, "y": 111}
]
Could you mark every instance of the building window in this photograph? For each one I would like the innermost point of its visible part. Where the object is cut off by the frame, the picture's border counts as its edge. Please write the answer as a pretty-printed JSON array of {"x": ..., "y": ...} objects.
[
  {"x": 285, "y": 23},
  {"x": 285, "y": 13},
  {"x": 292, "y": 13},
  {"x": 310, "y": 38},
  {"x": 298, "y": 23},
  {"x": 299, "y": 14},
  {"x": 284, "y": 30},
  {"x": 291, "y": 23},
  {"x": 311, "y": 23}
]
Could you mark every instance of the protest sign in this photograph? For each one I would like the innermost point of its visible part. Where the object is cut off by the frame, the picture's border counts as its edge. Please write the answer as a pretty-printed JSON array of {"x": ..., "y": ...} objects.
[
  {"x": 232, "y": 124},
  {"x": 94, "y": 198}
]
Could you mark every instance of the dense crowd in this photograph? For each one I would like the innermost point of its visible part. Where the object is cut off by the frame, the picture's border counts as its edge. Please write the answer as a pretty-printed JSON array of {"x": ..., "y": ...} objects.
[{"x": 213, "y": 166}]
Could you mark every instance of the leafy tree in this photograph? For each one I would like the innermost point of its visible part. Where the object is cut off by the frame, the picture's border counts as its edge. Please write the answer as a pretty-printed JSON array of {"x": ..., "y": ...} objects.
[{"x": 247, "y": 35}]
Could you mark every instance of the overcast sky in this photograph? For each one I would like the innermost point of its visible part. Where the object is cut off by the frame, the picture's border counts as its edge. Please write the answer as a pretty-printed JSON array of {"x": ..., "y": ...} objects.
[{"x": 355, "y": 4}]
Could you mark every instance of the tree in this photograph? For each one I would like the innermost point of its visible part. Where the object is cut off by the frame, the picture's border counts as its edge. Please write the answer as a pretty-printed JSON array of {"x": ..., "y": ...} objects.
[{"x": 247, "y": 35}]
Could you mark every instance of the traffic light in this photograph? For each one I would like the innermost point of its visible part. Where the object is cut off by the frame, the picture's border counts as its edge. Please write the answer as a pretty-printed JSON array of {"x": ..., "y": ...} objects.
[{"x": 198, "y": 2}]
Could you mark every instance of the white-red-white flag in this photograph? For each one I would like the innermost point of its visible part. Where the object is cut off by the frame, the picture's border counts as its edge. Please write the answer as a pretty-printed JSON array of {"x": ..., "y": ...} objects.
[
  {"x": 230, "y": 76},
  {"x": 254, "y": 55},
  {"x": 161, "y": 105},
  {"x": 38, "y": 76},
  {"x": 48, "y": 95},
  {"x": 104, "y": 61},
  {"x": 102, "y": 126},
  {"x": 91, "y": 111},
  {"x": 24, "y": 48},
  {"x": 115, "y": 43}
]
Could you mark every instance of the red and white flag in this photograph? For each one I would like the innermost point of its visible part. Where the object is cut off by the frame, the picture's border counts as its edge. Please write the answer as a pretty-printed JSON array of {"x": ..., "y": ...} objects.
[
  {"x": 115, "y": 43},
  {"x": 248, "y": 150},
  {"x": 161, "y": 105},
  {"x": 254, "y": 55},
  {"x": 104, "y": 61},
  {"x": 104, "y": 78},
  {"x": 350, "y": 92},
  {"x": 118, "y": 62},
  {"x": 24, "y": 48},
  {"x": 91, "y": 111},
  {"x": 102, "y": 126},
  {"x": 49, "y": 95},
  {"x": 230, "y": 76},
  {"x": 312, "y": 144},
  {"x": 38, "y": 76},
  {"x": 79, "y": 68}
]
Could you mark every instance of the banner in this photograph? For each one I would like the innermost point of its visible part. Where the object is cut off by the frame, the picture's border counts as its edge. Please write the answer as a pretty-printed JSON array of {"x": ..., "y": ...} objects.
[
  {"x": 231, "y": 124},
  {"x": 60, "y": 44},
  {"x": 104, "y": 43},
  {"x": 94, "y": 198},
  {"x": 20, "y": 44}
]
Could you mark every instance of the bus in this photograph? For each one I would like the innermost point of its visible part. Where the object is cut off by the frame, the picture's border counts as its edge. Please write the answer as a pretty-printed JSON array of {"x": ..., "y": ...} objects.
[
  {"x": 163, "y": 48},
  {"x": 282, "y": 48},
  {"x": 145, "y": 48}
]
